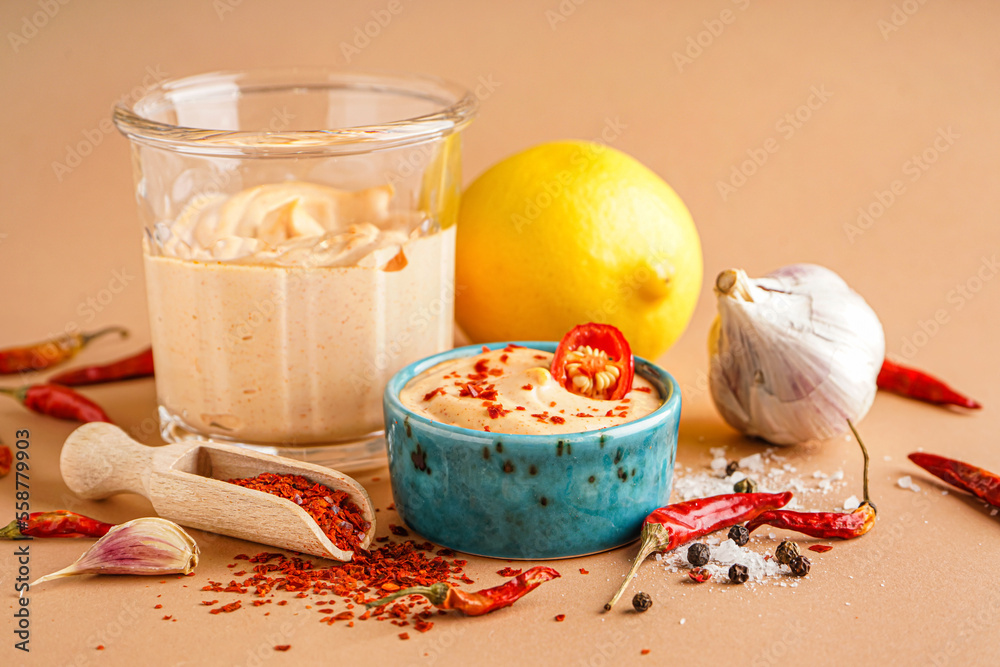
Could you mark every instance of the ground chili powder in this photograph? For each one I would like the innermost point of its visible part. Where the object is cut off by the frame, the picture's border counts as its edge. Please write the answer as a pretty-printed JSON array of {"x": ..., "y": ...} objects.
[{"x": 337, "y": 515}]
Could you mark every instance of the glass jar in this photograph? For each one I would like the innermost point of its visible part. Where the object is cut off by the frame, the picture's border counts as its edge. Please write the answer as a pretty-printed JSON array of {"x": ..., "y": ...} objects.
[{"x": 299, "y": 233}]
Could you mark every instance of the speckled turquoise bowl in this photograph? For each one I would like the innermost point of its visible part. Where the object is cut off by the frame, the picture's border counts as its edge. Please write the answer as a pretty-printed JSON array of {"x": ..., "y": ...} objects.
[{"x": 529, "y": 496}]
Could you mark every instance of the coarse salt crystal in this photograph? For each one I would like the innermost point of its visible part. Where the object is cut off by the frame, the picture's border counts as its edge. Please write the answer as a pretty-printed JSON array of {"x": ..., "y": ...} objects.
[
  {"x": 906, "y": 482},
  {"x": 993, "y": 512},
  {"x": 753, "y": 463},
  {"x": 719, "y": 463},
  {"x": 683, "y": 620},
  {"x": 852, "y": 504}
]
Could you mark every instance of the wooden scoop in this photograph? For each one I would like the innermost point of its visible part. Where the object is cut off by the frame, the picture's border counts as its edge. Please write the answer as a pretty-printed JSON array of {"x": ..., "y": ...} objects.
[{"x": 186, "y": 482}]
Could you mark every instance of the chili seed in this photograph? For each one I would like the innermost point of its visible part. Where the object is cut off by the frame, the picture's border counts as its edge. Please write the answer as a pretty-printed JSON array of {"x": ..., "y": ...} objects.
[
  {"x": 738, "y": 574},
  {"x": 739, "y": 534},
  {"x": 732, "y": 467},
  {"x": 800, "y": 566},
  {"x": 642, "y": 602},
  {"x": 699, "y": 575},
  {"x": 786, "y": 552},
  {"x": 698, "y": 553},
  {"x": 745, "y": 485}
]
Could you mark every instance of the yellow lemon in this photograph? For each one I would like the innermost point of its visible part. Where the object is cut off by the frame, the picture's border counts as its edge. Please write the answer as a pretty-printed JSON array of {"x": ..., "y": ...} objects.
[{"x": 570, "y": 232}]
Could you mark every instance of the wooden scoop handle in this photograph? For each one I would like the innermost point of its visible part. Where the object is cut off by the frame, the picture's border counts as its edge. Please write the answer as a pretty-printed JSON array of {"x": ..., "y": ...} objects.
[{"x": 99, "y": 460}]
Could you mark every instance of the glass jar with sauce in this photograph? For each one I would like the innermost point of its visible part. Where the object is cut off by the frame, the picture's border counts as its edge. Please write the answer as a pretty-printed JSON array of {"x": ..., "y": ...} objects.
[{"x": 299, "y": 231}]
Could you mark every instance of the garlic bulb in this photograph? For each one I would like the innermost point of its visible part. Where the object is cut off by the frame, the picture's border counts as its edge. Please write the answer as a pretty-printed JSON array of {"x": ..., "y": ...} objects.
[
  {"x": 142, "y": 546},
  {"x": 794, "y": 354}
]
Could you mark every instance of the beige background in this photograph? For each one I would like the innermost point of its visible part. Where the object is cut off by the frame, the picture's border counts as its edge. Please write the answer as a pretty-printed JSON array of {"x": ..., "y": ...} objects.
[{"x": 894, "y": 76}]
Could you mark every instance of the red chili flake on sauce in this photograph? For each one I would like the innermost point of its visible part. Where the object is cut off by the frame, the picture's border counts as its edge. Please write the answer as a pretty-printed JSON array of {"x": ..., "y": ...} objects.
[
  {"x": 560, "y": 618},
  {"x": 552, "y": 404},
  {"x": 482, "y": 366},
  {"x": 434, "y": 392},
  {"x": 557, "y": 420},
  {"x": 509, "y": 572},
  {"x": 496, "y": 372},
  {"x": 644, "y": 390},
  {"x": 404, "y": 635},
  {"x": 487, "y": 429},
  {"x": 335, "y": 513},
  {"x": 625, "y": 400},
  {"x": 583, "y": 571},
  {"x": 820, "y": 548},
  {"x": 582, "y": 414},
  {"x": 282, "y": 647},
  {"x": 540, "y": 356},
  {"x": 527, "y": 387},
  {"x": 503, "y": 358}
]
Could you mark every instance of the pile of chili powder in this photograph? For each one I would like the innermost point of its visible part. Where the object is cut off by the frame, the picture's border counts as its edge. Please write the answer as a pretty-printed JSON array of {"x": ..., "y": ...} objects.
[{"x": 367, "y": 577}]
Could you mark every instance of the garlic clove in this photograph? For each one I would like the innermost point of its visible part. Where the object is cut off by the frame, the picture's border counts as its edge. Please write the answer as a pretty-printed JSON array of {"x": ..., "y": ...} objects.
[{"x": 149, "y": 545}]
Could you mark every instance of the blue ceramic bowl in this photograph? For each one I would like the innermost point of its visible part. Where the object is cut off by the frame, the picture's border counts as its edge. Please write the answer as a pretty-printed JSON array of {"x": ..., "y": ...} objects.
[{"x": 529, "y": 496}]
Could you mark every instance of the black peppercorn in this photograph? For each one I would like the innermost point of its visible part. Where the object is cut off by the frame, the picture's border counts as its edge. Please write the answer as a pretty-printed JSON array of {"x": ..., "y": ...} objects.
[
  {"x": 642, "y": 602},
  {"x": 732, "y": 467},
  {"x": 800, "y": 566},
  {"x": 738, "y": 573},
  {"x": 785, "y": 552},
  {"x": 739, "y": 534},
  {"x": 745, "y": 485},
  {"x": 699, "y": 553}
]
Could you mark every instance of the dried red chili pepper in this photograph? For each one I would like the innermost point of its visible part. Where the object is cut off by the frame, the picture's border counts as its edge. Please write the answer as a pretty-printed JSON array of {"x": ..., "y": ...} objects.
[
  {"x": 137, "y": 366},
  {"x": 335, "y": 513},
  {"x": 594, "y": 360},
  {"x": 59, "y": 523},
  {"x": 977, "y": 481},
  {"x": 916, "y": 384},
  {"x": 6, "y": 459},
  {"x": 444, "y": 596},
  {"x": 674, "y": 525},
  {"x": 57, "y": 401},
  {"x": 49, "y": 353},
  {"x": 842, "y": 525}
]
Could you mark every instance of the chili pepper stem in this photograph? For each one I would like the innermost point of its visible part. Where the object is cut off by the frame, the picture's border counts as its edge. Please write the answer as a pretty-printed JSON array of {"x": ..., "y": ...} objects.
[
  {"x": 655, "y": 537},
  {"x": 19, "y": 394},
  {"x": 12, "y": 531},
  {"x": 864, "y": 452},
  {"x": 85, "y": 338},
  {"x": 435, "y": 593}
]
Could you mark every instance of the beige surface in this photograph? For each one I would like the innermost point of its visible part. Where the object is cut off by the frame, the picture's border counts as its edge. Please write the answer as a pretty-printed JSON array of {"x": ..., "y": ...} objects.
[{"x": 921, "y": 589}]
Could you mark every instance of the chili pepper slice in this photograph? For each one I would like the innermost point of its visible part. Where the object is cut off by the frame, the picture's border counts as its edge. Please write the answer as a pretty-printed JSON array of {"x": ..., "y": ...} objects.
[
  {"x": 913, "y": 383},
  {"x": 443, "y": 596},
  {"x": 842, "y": 525},
  {"x": 594, "y": 360},
  {"x": 6, "y": 459},
  {"x": 46, "y": 354},
  {"x": 669, "y": 527},
  {"x": 58, "y": 401},
  {"x": 977, "y": 481},
  {"x": 137, "y": 366},
  {"x": 59, "y": 523}
]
